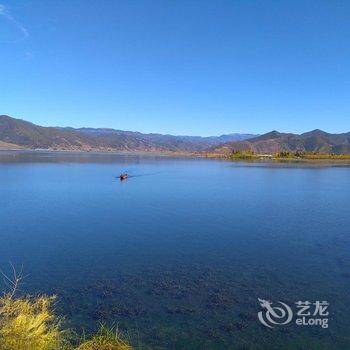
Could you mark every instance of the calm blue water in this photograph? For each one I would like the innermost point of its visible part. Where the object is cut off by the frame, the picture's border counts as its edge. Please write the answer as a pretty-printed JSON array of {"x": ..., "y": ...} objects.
[{"x": 178, "y": 254}]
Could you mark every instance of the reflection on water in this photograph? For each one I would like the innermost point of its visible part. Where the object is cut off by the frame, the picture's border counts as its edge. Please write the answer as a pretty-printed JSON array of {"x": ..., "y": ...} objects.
[{"x": 179, "y": 253}]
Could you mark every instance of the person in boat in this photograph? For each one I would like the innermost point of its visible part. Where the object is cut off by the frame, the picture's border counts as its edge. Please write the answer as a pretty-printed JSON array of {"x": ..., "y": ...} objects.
[{"x": 123, "y": 176}]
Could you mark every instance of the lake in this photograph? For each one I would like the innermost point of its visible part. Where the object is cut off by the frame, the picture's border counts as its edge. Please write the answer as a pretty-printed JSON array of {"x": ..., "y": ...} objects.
[{"x": 178, "y": 254}]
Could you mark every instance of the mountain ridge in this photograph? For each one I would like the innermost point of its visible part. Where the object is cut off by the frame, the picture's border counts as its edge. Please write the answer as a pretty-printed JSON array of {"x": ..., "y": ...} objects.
[
  {"x": 19, "y": 133},
  {"x": 316, "y": 140}
]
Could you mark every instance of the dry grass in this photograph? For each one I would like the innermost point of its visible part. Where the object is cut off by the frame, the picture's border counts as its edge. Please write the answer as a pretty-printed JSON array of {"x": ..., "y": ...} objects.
[
  {"x": 106, "y": 339},
  {"x": 29, "y": 324}
]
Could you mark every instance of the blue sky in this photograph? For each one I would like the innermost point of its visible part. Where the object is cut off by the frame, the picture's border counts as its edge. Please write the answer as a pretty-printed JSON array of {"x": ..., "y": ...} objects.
[{"x": 180, "y": 66}]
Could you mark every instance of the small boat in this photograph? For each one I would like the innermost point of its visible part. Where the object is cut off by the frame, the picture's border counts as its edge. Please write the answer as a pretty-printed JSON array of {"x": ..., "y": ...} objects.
[{"x": 123, "y": 176}]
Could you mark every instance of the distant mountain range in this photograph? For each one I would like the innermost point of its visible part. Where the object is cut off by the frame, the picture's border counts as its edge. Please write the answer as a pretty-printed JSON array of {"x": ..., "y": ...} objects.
[
  {"x": 17, "y": 133},
  {"x": 274, "y": 141}
]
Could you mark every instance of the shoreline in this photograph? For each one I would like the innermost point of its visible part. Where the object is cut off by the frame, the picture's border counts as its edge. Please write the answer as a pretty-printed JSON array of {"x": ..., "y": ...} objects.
[{"x": 249, "y": 159}]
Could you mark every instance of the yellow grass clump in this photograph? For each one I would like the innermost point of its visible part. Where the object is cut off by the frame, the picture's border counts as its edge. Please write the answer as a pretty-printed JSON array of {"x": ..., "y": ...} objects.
[
  {"x": 29, "y": 324},
  {"x": 105, "y": 340}
]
